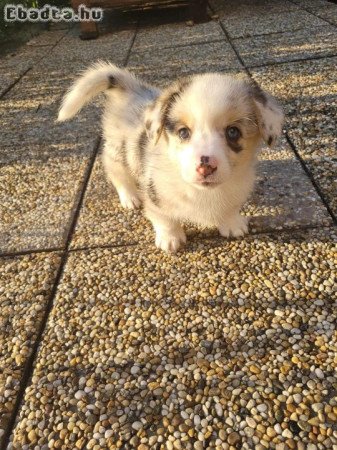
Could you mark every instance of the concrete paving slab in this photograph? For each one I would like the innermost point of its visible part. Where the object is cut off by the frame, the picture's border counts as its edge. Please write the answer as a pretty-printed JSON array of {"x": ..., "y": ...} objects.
[
  {"x": 28, "y": 118},
  {"x": 73, "y": 54},
  {"x": 37, "y": 198},
  {"x": 324, "y": 172},
  {"x": 25, "y": 286},
  {"x": 311, "y": 4},
  {"x": 328, "y": 13},
  {"x": 24, "y": 57},
  {"x": 208, "y": 346},
  {"x": 251, "y": 7},
  {"x": 297, "y": 82},
  {"x": 8, "y": 77},
  {"x": 50, "y": 38},
  {"x": 162, "y": 77},
  {"x": 308, "y": 90},
  {"x": 284, "y": 198},
  {"x": 171, "y": 63},
  {"x": 289, "y": 46},
  {"x": 248, "y": 23},
  {"x": 172, "y": 35}
]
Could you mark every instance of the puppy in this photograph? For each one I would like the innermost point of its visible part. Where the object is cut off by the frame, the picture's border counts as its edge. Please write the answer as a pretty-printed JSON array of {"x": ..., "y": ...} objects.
[{"x": 187, "y": 153}]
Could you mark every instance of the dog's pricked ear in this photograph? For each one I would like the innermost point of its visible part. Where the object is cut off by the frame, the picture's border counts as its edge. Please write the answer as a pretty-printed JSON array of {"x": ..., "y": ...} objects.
[{"x": 269, "y": 114}]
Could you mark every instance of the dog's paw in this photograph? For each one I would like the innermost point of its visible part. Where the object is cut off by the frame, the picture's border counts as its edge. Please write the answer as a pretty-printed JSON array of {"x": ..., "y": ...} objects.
[
  {"x": 129, "y": 200},
  {"x": 235, "y": 226},
  {"x": 170, "y": 242}
]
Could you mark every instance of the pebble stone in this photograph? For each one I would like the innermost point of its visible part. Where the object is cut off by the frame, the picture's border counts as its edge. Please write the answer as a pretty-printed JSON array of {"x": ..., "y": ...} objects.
[
  {"x": 25, "y": 286},
  {"x": 188, "y": 363}
]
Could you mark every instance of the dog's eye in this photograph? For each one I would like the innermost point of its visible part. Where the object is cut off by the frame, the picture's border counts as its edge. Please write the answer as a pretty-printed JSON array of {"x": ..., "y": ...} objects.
[
  {"x": 184, "y": 134},
  {"x": 233, "y": 133}
]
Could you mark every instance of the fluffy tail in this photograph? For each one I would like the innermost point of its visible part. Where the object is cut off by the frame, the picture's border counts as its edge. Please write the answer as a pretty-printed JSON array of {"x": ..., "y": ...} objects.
[{"x": 98, "y": 78}]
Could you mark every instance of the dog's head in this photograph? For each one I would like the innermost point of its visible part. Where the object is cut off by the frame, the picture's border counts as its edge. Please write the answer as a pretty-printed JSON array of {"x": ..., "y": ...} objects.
[{"x": 211, "y": 124}]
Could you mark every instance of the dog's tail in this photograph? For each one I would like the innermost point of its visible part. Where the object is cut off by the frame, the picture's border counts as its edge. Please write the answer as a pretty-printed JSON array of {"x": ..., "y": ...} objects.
[{"x": 98, "y": 78}]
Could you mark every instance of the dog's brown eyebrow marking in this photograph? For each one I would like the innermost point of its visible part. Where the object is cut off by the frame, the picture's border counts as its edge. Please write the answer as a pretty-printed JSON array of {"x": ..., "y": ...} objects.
[
  {"x": 166, "y": 108},
  {"x": 168, "y": 104},
  {"x": 152, "y": 193}
]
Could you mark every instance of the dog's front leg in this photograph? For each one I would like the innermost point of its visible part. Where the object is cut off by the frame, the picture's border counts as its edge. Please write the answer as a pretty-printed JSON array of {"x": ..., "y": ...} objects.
[
  {"x": 169, "y": 233},
  {"x": 234, "y": 224}
]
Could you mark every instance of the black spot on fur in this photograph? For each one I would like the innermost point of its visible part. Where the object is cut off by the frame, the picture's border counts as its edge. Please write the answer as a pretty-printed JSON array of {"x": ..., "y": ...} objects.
[
  {"x": 113, "y": 83},
  {"x": 142, "y": 145},
  {"x": 152, "y": 193},
  {"x": 270, "y": 140}
]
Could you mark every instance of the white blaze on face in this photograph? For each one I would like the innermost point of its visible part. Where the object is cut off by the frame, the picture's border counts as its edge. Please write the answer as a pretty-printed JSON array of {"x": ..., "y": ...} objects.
[{"x": 203, "y": 142}]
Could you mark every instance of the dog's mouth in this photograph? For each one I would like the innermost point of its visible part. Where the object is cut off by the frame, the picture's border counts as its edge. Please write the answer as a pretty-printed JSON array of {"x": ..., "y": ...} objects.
[{"x": 206, "y": 183}]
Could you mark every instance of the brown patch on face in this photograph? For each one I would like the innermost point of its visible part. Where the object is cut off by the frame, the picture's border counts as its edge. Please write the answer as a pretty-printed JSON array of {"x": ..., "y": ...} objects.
[
  {"x": 235, "y": 146},
  {"x": 167, "y": 123}
]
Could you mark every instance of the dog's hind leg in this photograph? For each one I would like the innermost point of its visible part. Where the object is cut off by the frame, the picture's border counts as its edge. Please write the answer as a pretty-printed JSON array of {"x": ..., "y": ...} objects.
[{"x": 122, "y": 179}]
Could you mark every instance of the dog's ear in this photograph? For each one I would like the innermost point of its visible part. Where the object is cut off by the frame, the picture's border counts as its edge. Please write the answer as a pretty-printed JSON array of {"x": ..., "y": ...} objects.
[
  {"x": 157, "y": 115},
  {"x": 269, "y": 114}
]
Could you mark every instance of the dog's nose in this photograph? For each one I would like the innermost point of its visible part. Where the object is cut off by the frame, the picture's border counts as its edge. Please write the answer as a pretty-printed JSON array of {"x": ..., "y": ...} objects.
[
  {"x": 209, "y": 160},
  {"x": 207, "y": 166}
]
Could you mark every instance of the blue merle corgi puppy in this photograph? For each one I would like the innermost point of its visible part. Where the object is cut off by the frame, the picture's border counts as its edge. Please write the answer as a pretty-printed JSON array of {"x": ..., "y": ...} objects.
[{"x": 187, "y": 153}]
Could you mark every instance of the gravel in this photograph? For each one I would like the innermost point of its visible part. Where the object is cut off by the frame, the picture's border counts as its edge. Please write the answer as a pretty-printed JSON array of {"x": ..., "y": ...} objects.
[
  {"x": 25, "y": 285},
  {"x": 305, "y": 43},
  {"x": 308, "y": 91},
  {"x": 36, "y": 208},
  {"x": 188, "y": 364}
]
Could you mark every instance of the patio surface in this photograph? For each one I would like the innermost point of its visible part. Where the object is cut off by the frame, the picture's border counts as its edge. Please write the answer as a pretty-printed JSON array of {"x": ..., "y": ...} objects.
[{"x": 106, "y": 342}]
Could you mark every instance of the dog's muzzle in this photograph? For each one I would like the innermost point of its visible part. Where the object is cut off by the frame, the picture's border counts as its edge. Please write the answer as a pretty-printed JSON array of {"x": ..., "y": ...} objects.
[{"x": 207, "y": 166}]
